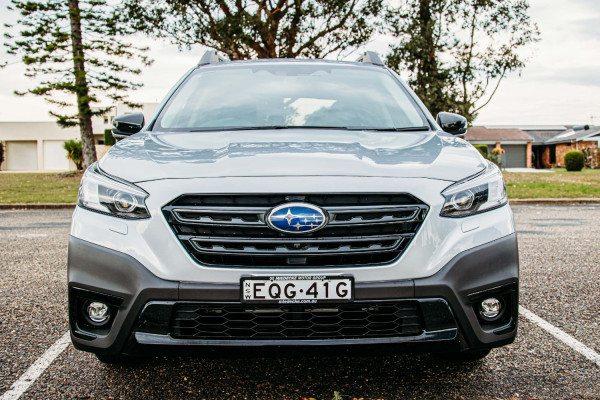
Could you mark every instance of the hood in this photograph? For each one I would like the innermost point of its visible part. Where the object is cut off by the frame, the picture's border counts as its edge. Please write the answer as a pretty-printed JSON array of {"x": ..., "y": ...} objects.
[{"x": 286, "y": 152}]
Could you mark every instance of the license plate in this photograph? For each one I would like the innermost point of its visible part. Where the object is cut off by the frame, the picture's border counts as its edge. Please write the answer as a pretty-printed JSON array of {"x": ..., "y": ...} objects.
[{"x": 289, "y": 289}]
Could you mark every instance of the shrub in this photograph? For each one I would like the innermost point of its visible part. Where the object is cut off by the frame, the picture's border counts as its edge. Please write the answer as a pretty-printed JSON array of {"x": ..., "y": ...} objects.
[
  {"x": 483, "y": 149},
  {"x": 574, "y": 160},
  {"x": 1, "y": 154},
  {"x": 74, "y": 152},
  {"x": 109, "y": 140}
]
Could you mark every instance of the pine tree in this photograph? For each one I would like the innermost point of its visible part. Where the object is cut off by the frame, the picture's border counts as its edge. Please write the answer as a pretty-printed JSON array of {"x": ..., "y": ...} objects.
[{"x": 75, "y": 49}]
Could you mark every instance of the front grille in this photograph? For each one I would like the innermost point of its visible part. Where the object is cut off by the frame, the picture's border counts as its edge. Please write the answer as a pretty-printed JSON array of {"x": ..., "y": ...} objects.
[
  {"x": 256, "y": 322},
  {"x": 230, "y": 230}
]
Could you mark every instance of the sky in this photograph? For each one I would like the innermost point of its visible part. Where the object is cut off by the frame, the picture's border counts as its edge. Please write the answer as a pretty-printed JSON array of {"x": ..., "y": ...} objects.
[{"x": 559, "y": 86}]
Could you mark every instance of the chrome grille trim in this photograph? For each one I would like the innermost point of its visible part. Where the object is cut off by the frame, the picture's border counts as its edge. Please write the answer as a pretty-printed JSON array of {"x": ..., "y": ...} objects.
[
  {"x": 306, "y": 247},
  {"x": 206, "y": 215},
  {"x": 257, "y": 215}
]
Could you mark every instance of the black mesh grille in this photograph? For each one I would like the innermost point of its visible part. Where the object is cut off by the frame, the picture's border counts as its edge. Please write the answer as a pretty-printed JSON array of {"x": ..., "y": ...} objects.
[
  {"x": 350, "y": 320},
  {"x": 230, "y": 230}
]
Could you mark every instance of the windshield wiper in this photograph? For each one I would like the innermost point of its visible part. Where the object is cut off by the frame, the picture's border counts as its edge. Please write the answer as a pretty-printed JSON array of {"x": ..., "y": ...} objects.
[
  {"x": 403, "y": 129},
  {"x": 238, "y": 128},
  {"x": 267, "y": 127},
  {"x": 347, "y": 128},
  {"x": 361, "y": 128}
]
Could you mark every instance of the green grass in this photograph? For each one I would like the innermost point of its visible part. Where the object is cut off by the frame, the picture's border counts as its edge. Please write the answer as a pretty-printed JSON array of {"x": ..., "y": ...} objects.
[
  {"x": 62, "y": 187},
  {"x": 559, "y": 184},
  {"x": 39, "y": 187}
]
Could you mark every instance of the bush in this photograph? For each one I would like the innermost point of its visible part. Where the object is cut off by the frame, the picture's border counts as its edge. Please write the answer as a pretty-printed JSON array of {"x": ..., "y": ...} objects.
[
  {"x": 1, "y": 154},
  {"x": 483, "y": 149},
  {"x": 74, "y": 152},
  {"x": 109, "y": 140},
  {"x": 574, "y": 160}
]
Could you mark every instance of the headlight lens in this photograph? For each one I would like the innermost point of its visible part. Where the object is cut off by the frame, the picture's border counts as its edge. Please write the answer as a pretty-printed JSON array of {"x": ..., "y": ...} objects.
[
  {"x": 479, "y": 193},
  {"x": 102, "y": 193}
]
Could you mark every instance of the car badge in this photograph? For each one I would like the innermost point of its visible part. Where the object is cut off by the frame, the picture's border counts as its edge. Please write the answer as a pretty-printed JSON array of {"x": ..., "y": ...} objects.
[{"x": 296, "y": 218}]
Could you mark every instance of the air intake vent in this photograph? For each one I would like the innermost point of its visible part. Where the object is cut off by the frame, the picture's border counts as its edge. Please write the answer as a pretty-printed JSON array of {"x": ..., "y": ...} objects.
[{"x": 253, "y": 322}]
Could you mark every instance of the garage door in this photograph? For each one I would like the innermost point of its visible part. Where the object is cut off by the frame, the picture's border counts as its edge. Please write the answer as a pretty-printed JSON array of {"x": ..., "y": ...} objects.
[
  {"x": 55, "y": 156},
  {"x": 21, "y": 156},
  {"x": 516, "y": 155}
]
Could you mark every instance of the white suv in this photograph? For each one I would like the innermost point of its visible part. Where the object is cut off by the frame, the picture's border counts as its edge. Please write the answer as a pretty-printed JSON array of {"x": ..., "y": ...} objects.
[{"x": 292, "y": 203}]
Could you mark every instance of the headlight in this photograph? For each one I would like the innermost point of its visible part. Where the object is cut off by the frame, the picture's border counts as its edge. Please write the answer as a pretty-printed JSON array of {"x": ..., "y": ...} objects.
[
  {"x": 102, "y": 193},
  {"x": 479, "y": 193}
]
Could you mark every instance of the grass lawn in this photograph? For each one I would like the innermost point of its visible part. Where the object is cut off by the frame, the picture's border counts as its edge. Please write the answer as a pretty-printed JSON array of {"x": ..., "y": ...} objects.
[
  {"x": 559, "y": 184},
  {"x": 62, "y": 187},
  {"x": 39, "y": 187}
]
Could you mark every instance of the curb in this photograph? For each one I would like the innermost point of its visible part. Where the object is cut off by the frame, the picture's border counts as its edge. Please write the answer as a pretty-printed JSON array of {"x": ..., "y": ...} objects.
[
  {"x": 554, "y": 201},
  {"x": 37, "y": 206}
]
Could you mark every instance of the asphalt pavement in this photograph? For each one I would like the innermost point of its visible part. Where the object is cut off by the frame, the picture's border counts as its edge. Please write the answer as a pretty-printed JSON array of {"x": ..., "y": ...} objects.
[{"x": 560, "y": 282}]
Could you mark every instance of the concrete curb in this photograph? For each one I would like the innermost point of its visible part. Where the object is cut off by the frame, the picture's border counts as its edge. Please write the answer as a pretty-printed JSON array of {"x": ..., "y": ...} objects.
[
  {"x": 554, "y": 201},
  {"x": 58, "y": 206},
  {"x": 37, "y": 206}
]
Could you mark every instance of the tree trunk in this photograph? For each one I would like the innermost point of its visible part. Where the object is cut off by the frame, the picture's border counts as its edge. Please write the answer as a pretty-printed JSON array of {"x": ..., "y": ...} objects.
[{"x": 88, "y": 146}]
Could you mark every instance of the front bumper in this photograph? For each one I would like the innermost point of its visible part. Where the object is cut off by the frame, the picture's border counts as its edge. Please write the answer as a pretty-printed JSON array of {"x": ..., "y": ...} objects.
[{"x": 142, "y": 304}]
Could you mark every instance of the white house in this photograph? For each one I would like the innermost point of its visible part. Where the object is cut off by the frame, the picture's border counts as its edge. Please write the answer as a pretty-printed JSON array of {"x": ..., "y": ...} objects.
[{"x": 38, "y": 146}]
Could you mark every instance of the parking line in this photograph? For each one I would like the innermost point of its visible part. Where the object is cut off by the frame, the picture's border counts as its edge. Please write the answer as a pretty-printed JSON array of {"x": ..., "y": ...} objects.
[
  {"x": 37, "y": 368},
  {"x": 562, "y": 336}
]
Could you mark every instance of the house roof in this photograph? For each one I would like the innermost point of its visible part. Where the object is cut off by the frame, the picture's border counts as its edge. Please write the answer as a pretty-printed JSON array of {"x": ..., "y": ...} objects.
[
  {"x": 527, "y": 128},
  {"x": 540, "y": 137},
  {"x": 575, "y": 135},
  {"x": 481, "y": 133}
]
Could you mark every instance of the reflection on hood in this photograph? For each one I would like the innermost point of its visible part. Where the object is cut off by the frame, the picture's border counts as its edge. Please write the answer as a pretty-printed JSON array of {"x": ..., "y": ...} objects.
[{"x": 300, "y": 152}]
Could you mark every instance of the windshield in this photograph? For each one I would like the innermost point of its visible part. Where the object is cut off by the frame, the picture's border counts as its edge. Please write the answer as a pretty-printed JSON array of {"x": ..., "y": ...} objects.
[{"x": 272, "y": 96}]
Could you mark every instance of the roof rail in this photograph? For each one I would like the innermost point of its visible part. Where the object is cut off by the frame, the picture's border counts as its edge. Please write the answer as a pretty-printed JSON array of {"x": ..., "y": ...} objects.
[
  {"x": 211, "y": 57},
  {"x": 370, "y": 57}
]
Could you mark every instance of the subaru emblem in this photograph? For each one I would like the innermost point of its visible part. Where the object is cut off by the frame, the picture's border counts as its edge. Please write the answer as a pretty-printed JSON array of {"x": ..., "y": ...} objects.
[{"x": 296, "y": 218}]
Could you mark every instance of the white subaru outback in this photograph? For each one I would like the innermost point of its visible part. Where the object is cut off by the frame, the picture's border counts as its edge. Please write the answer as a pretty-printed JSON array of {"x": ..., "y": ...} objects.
[{"x": 292, "y": 203}]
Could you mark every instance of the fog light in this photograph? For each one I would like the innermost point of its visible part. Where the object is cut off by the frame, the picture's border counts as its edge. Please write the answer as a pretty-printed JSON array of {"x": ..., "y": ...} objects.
[
  {"x": 98, "y": 312},
  {"x": 490, "y": 308}
]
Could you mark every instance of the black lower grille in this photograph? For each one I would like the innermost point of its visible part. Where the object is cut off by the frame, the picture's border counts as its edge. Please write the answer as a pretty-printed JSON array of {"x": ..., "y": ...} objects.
[
  {"x": 260, "y": 322},
  {"x": 231, "y": 230}
]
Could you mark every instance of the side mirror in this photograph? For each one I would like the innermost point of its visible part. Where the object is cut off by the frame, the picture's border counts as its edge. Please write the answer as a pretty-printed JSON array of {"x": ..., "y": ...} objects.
[
  {"x": 452, "y": 123},
  {"x": 127, "y": 125}
]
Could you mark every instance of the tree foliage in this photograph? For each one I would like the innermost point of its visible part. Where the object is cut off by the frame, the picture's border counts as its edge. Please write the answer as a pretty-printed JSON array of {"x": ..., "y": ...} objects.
[
  {"x": 245, "y": 29},
  {"x": 77, "y": 53},
  {"x": 458, "y": 51},
  {"x": 74, "y": 152}
]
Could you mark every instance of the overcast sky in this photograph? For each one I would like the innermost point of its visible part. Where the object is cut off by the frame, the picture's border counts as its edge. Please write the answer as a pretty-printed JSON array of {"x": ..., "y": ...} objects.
[{"x": 560, "y": 85}]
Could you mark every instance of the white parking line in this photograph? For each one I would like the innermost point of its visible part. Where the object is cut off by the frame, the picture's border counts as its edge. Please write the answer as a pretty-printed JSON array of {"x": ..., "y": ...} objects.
[
  {"x": 37, "y": 368},
  {"x": 562, "y": 336}
]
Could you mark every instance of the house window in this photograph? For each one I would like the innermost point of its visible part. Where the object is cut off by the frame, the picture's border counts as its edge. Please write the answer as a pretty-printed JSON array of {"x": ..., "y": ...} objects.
[
  {"x": 552, "y": 154},
  {"x": 105, "y": 120}
]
